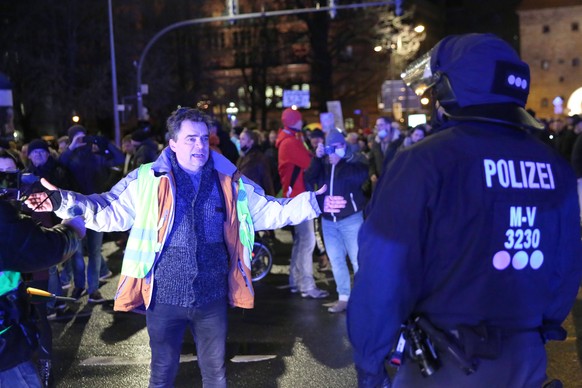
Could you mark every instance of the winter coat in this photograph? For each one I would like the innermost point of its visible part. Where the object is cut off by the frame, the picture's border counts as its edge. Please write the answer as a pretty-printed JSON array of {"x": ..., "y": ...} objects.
[
  {"x": 293, "y": 156},
  {"x": 116, "y": 211}
]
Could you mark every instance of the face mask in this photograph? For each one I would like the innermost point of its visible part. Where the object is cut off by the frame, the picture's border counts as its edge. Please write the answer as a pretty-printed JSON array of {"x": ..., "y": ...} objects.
[
  {"x": 341, "y": 152},
  {"x": 244, "y": 149},
  {"x": 382, "y": 134}
]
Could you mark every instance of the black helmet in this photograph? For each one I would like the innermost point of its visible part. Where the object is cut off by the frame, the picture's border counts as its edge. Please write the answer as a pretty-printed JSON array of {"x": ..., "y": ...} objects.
[{"x": 467, "y": 72}]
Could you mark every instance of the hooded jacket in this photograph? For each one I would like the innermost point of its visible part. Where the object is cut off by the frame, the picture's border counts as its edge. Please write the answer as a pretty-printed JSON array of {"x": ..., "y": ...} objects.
[
  {"x": 293, "y": 154},
  {"x": 348, "y": 177}
]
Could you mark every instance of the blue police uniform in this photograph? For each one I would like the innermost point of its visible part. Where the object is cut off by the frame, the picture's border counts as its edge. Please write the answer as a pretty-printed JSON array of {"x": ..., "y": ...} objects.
[{"x": 476, "y": 228}]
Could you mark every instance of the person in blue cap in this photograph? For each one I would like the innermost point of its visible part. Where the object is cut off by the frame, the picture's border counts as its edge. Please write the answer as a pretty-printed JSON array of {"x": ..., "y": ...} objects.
[{"x": 472, "y": 238}]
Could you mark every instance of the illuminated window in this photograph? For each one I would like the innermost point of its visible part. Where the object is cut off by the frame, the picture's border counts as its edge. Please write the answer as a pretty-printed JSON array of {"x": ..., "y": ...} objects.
[
  {"x": 545, "y": 64},
  {"x": 575, "y": 102}
]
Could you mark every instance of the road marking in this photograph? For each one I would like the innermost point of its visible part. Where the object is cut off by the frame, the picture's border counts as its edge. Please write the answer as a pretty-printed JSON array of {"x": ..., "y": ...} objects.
[
  {"x": 253, "y": 358},
  {"x": 96, "y": 361},
  {"x": 108, "y": 361}
]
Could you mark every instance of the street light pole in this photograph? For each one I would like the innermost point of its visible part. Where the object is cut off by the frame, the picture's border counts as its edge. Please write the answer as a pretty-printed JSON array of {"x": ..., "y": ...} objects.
[
  {"x": 191, "y": 22},
  {"x": 114, "y": 78}
]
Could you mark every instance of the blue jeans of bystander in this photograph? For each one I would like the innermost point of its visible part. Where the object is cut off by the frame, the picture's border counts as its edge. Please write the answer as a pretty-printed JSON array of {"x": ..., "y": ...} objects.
[
  {"x": 54, "y": 285},
  {"x": 96, "y": 265},
  {"x": 301, "y": 269},
  {"x": 341, "y": 238}
]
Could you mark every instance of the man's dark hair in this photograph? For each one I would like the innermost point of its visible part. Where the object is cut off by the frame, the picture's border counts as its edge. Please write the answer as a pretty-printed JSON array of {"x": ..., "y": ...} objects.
[
  {"x": 182, "y": 114},
  {"x": 253, "y": 134},
  {"x": 388, "y": 120},
  {"x": 5, "y": 154}
]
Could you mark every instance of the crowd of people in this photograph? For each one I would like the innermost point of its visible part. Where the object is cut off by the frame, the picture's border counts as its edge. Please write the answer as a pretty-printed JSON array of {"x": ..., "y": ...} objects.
[
  {"x": 190, "y": 211},
  {"x": 283, "y": 163}
]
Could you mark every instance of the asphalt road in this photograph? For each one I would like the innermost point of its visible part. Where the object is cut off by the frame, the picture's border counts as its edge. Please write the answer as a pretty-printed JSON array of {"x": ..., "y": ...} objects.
[{"x": 286, "y": 341}]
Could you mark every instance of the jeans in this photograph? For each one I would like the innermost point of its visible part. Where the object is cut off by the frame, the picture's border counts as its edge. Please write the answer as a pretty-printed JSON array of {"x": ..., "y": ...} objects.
[
  {"x": 21, "y": 376},
  {"x": 341, "y": 238},
  {"x": 166, "y": 325},
  {"x": 54, "y": 285},
  {"x": 301, "y": 269},
  {"x": 96, "y": 265}
]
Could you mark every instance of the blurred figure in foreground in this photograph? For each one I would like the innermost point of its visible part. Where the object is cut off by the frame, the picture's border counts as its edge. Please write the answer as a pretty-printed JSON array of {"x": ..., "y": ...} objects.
[
  {"x": 25, "y": 247},
  {"x": 472, "y": 238}
]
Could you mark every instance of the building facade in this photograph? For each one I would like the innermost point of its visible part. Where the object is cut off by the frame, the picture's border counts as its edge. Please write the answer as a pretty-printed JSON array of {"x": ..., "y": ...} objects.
[
  {"x": 551, "y": 43},
  {"x": 247, "y": 65}
]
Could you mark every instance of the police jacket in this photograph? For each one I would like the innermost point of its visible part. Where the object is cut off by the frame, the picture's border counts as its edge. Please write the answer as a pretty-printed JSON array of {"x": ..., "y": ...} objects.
[
  {"x": 477, "y": 224},
  {"x": 24, "y": 247}
]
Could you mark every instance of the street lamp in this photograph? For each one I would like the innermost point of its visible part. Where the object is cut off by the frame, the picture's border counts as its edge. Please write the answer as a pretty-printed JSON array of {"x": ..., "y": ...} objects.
[
  {"x": 231, "y": 112},
  {"x": 113, "y": 77}
]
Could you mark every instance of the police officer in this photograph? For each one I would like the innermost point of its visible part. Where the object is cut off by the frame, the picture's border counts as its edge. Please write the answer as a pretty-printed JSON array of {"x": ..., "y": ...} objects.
[
  {"x": 25, "y": 247},
  {"x": 475, "y": 229}
]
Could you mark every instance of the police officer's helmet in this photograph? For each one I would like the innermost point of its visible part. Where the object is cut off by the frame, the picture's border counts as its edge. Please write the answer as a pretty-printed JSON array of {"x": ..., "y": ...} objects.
[{"x": 472, "y": 70}]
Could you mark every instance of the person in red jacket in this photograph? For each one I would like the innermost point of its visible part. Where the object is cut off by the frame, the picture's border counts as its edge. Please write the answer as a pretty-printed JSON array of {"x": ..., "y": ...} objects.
[{"x": 294, "y": 159}]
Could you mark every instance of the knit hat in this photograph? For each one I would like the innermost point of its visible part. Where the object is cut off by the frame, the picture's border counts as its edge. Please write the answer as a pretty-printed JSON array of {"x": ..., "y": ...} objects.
[
  {"x": 37, "y": 144},
  {"x": 74, "y": 130},
  {"x": 333, "y": 137},
  {"x": 290, "y": 117},
  {"x": 140, "y": 135}
]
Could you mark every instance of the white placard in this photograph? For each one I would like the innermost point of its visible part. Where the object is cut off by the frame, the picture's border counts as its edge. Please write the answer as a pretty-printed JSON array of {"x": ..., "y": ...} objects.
[
  {"x": 335, "y": 107},
  {"x": 298, "y": 98}
]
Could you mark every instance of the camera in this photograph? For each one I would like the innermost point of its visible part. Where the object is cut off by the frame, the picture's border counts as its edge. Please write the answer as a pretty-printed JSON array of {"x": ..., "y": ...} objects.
[
  {"x": 9, "y": 180},
  {"x": 11, "y": 183},
  {"x": 329, "y": 150},
  {"x": 101, "y": 143},
  {"x": 90, "y": 139}
]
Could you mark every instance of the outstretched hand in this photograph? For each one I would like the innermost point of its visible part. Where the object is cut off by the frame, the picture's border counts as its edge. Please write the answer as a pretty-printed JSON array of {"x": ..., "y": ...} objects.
[
  {"x": 39, "y": 202},
  {"x": 331, "y": 203}
]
